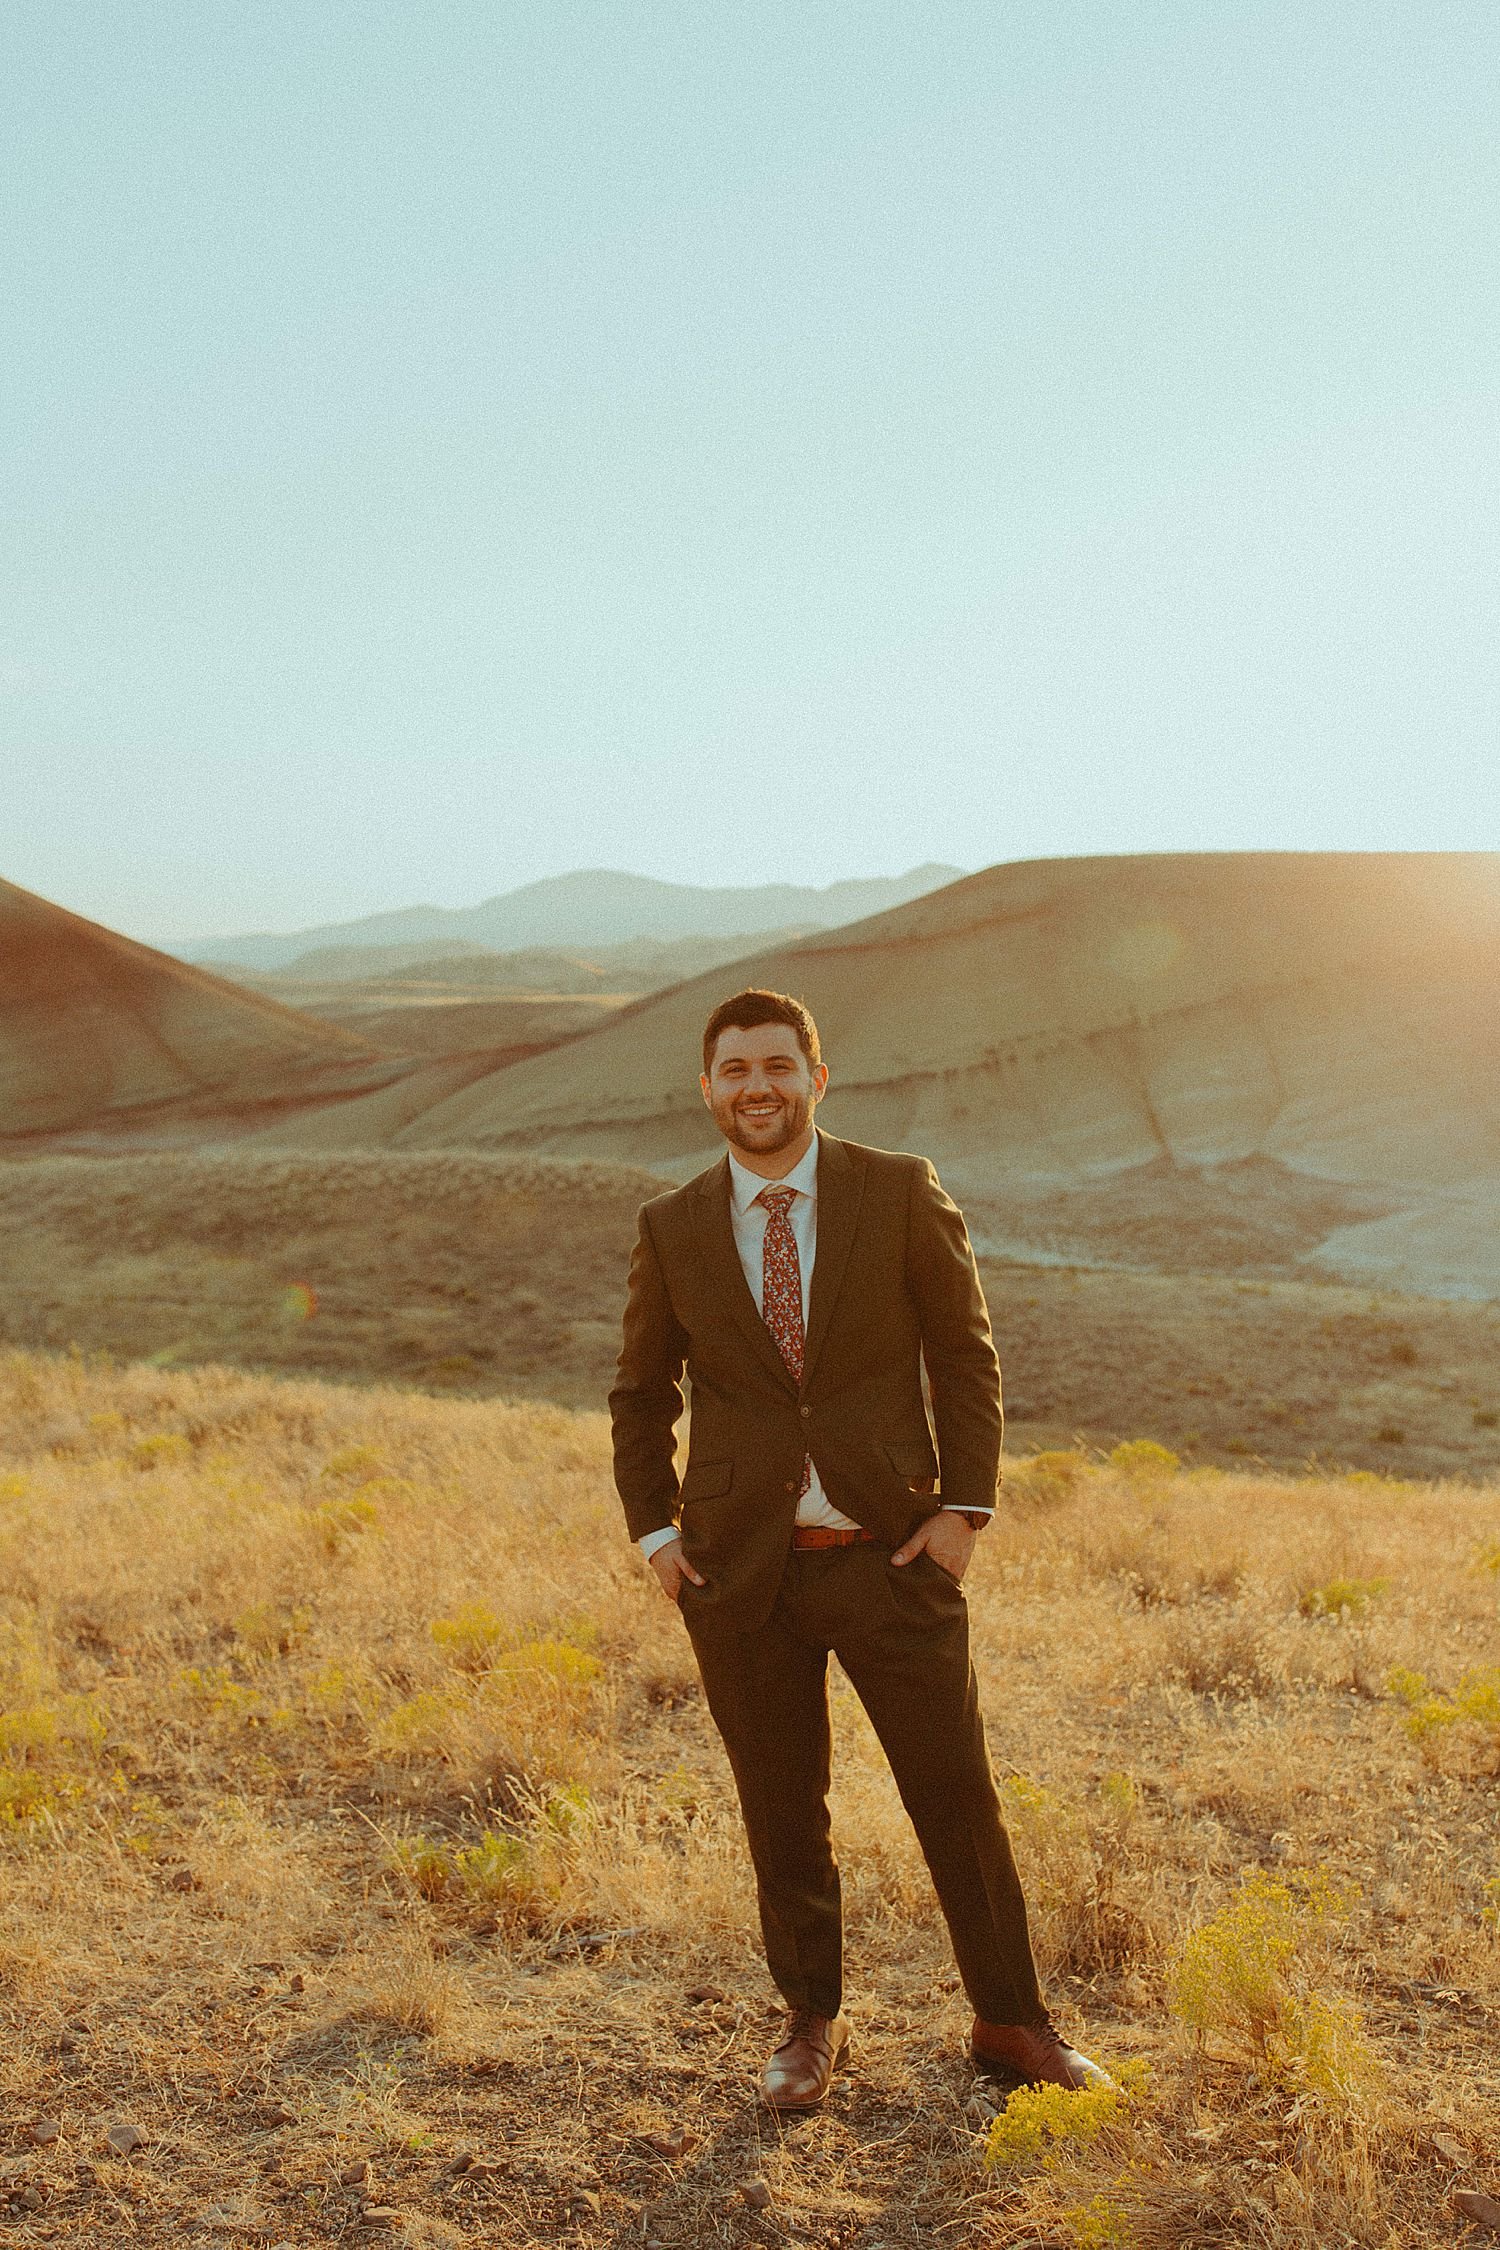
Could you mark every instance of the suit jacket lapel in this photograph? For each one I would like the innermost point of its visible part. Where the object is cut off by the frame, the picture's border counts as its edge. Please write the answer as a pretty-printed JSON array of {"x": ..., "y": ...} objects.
[
  {"x": 841, "y": 1185},
  {"x": 721, "y": 1256}
]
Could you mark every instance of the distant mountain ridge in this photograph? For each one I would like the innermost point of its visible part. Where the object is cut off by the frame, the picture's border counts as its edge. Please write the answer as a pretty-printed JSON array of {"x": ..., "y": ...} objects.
[{"x": 594, "y": 906}]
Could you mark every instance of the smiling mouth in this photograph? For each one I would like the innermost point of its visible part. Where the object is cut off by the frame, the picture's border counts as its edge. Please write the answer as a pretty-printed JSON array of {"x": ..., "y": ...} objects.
[{"x": 757, "y": 1109}]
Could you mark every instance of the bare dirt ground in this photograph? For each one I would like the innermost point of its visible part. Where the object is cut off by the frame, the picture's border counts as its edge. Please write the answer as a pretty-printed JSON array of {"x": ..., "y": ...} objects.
[
  {"x": 368, "y": 1869},
  {"x": 472, "y": 1275}
]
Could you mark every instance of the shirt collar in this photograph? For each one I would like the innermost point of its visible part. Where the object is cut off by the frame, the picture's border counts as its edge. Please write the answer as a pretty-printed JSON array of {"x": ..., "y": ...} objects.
[{"x": 745, "y": 1186}]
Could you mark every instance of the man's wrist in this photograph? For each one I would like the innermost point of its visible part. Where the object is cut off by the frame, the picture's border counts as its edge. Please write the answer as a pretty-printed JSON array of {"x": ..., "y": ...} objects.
[
  {"x": 650, "y": 1541},
  {"x": 975, "y": 1518}
]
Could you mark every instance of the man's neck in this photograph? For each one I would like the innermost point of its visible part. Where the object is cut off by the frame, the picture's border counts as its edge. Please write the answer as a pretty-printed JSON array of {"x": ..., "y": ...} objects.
[{"x": 774, "y": 1164}]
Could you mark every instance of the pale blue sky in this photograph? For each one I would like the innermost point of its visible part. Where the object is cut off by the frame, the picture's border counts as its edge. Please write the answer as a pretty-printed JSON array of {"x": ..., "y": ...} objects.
[{"x": 448, "y": 444}]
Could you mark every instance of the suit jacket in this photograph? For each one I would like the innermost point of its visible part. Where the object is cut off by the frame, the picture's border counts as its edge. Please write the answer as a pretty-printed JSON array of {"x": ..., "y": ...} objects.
[{"x": 894, "y": 1283}]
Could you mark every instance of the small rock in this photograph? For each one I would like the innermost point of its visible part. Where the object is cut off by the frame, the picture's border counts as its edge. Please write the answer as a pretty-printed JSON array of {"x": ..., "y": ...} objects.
[
  {"x": 1483, "y": 2209},
  {"x": 125, "y": 2139},
  {"x": 585, "y": 2203},
  {"x": 1445, "y": 2146},
  {"x": 355, "y": 2175},
  {"x": 463, "y": 2162},
  {"x": 30, "y": 2199},
  {"x": 183, "y": 1879},
  {"x": 484, "y": 2168},
  {"x": 706, "y": 1992},
  {"x": 672, "y": 2144},
  {"x": 380, "y": 2214},
  {"x": 277, "y": 2113},
  {"x": 44, "y": 2131},
  {"x": 756, "y": 2194}
]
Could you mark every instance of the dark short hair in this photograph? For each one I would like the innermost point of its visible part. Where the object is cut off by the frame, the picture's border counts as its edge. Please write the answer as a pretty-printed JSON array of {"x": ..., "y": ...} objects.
[{"x": 747, "y": 1009}]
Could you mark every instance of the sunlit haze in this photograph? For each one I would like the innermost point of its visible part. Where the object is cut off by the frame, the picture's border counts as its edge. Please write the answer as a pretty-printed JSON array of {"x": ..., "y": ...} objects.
[{"x": 447, "y": 446}]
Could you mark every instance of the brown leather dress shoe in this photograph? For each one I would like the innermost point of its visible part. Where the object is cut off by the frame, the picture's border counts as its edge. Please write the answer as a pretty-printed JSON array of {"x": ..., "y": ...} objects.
[
  {"x": 1033, "y": 2055},
  {"x": 801, "y": 2070}
]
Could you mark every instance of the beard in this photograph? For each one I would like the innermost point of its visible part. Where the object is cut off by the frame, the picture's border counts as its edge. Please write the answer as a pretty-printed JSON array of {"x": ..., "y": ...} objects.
[{"x": 763, "y": 1136}]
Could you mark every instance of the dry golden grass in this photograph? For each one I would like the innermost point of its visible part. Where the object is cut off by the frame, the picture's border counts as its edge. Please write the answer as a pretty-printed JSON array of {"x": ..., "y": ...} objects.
[{"x": 359, "y": 1810}]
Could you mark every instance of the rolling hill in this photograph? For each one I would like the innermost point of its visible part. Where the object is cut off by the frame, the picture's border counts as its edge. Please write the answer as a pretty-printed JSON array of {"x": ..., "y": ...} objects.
[{"x": 98, "y": 1033}]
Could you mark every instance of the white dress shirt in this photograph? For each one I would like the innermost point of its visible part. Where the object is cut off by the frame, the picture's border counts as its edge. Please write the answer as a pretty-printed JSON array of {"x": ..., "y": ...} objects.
[{"x": 749, "y": 1220}]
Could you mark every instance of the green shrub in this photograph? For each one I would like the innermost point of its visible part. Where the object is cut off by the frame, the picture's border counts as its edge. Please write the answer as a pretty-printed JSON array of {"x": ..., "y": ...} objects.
[
  {"x": 159, "y": 1452},
  {"x": 1475, "y": 1703},
  {"x": 1048, "y": 1479},
  {"x": 49, "y": 1751},
  {"x": 471, "y": 1637},
  {"x": 1037, "y": 2118},
  {"x": 1100, "y": 2224},
  {"x": 1342, "y": 1597},
  {"x": 1143, "y": 1461},
  {"x": 338, "y": 1522},
  {"x": 1250, "y": 1974},
  {"x": 557, "y": 1662}
]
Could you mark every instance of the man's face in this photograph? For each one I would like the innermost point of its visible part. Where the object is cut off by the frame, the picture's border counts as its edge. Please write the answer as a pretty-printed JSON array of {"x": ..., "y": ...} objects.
[{"x": 762, "y": 1089}]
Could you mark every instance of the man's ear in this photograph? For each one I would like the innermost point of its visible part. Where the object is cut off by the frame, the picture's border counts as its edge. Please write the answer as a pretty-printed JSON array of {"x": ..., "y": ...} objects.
[{"x": 703, "y": 1081}]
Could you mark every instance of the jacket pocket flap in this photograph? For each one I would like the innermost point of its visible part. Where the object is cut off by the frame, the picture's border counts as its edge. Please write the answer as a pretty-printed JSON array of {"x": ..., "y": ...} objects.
[
  {"x": 702, "y": 1479},
  {"x": 912, "y": 1460}
]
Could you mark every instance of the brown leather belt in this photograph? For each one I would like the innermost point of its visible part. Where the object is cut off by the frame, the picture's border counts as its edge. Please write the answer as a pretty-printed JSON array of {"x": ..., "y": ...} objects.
[{"x": 827, "y": 1535}]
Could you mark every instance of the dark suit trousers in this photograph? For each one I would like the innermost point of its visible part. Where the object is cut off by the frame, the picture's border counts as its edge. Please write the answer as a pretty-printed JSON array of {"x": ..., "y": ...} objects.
[{"x": 902, "y": 1636}]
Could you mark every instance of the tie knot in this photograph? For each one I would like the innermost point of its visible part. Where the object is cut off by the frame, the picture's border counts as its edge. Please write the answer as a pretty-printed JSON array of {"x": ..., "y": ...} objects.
[{"x": 777, "y": 1200}]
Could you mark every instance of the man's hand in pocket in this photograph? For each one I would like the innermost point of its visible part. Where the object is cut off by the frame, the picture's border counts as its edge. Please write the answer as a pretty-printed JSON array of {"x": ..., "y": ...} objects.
[
  {"x": 946, "y": 1538},
  {"x": 672, "y": 1567}
]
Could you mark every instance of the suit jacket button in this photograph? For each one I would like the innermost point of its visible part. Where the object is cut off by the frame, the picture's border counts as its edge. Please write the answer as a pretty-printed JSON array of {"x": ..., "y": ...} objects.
[
  {"x": 804, "y": 1411},
  {"x": 791, "y": 1484}
]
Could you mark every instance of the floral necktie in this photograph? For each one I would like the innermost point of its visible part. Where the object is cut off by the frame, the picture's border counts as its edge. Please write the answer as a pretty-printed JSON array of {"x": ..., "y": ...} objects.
[{"x": 781, "y": 1290}]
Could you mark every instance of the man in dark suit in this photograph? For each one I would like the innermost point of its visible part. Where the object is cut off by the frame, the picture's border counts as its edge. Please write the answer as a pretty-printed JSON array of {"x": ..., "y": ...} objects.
[{"x": 800, "y": 1284}]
